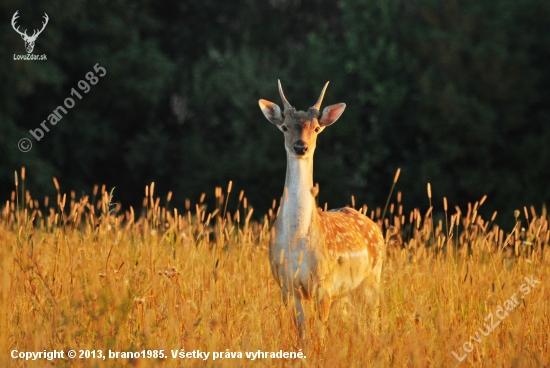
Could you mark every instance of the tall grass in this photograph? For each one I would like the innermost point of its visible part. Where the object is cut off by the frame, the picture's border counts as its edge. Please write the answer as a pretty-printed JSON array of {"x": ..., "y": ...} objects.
[{"x": 78, "y": 273}]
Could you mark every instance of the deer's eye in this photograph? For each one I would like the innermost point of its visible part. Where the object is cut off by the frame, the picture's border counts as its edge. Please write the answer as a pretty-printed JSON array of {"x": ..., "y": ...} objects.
[
  {"x": 317, "y": 129},
  {"x": 283, "y": 128}
]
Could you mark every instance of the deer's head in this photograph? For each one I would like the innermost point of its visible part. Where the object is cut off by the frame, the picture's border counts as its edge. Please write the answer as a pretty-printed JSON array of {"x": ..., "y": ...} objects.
[
  {"x": 301, "y": 128},
  {"x": 29, "y": 40}
]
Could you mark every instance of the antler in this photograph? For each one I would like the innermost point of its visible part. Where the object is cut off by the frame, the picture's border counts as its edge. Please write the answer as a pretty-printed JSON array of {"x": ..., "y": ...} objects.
[
  {"x": 43, "y": 26},
  {"x": 286, "y": 104},
  {"x": 13, "y": 20},
  {"x": 320, "y": 100},
  {"x": 24, "y": 34}
]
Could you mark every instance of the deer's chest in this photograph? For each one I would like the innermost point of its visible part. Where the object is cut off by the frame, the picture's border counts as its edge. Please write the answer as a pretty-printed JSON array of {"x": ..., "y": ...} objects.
[{"x": 297, "y": 259}]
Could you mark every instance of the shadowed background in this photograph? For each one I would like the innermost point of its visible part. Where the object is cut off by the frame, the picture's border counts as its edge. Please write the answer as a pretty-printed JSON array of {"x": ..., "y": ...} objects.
[{"x": 456, "y": 93}]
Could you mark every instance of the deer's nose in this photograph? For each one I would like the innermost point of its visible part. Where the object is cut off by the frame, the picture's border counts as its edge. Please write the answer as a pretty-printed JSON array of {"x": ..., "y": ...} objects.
[{"x": 300, "y": 147}]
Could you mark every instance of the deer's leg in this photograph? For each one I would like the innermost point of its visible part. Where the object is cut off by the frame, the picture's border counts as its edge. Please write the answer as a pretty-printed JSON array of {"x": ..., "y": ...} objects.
[
  {"x": 347, "y": 306},
  {"x": 299, "y": 316},
  {"x": 297, "y": 310},
  {"x": 285, "y": 295},
  {"x": 323, "y": 301},
  {"x": 371, "y": 291}
]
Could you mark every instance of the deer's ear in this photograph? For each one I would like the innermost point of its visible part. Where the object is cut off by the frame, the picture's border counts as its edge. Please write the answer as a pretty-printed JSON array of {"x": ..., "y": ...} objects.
[
  {"x": 271, "y": 111},
  {"x": 331, "y": 114}
]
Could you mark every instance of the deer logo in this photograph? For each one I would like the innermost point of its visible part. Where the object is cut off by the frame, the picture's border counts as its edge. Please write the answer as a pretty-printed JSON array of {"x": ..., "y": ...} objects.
[{"x": 29, "y": 40}]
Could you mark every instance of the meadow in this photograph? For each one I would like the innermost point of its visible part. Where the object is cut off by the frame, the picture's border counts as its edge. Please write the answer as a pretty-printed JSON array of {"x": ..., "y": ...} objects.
[{"x": 80, "y": 273}]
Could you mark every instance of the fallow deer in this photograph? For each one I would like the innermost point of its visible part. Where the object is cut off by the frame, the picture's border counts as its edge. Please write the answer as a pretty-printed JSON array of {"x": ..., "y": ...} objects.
[{"x": 315, "y": 254}]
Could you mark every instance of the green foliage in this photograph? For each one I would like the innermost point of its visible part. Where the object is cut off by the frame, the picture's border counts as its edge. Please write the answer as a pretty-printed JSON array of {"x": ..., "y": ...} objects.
[{"x": 454, "y": 93}]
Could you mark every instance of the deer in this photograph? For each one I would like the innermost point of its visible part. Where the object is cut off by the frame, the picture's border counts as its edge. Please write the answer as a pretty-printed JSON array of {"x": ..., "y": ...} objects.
[
  {"x": 315, "y": 254},
  {"x": 29, "y": 40}
]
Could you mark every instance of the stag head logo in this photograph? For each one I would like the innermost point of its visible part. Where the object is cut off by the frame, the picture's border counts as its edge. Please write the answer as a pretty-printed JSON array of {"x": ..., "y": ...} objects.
[{"x": 29, "y": 40}]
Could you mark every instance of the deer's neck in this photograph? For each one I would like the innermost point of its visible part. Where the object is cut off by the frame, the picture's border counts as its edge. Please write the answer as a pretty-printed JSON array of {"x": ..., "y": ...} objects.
[{"x": 298, "y": 205}]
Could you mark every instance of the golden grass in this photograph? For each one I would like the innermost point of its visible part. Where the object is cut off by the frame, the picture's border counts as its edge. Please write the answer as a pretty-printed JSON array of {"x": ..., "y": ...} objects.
[{"x": 92, "y": 278}]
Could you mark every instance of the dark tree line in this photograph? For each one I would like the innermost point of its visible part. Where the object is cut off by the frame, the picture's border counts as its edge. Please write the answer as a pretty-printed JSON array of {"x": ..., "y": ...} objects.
[{"x": 456, "y": 93}]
